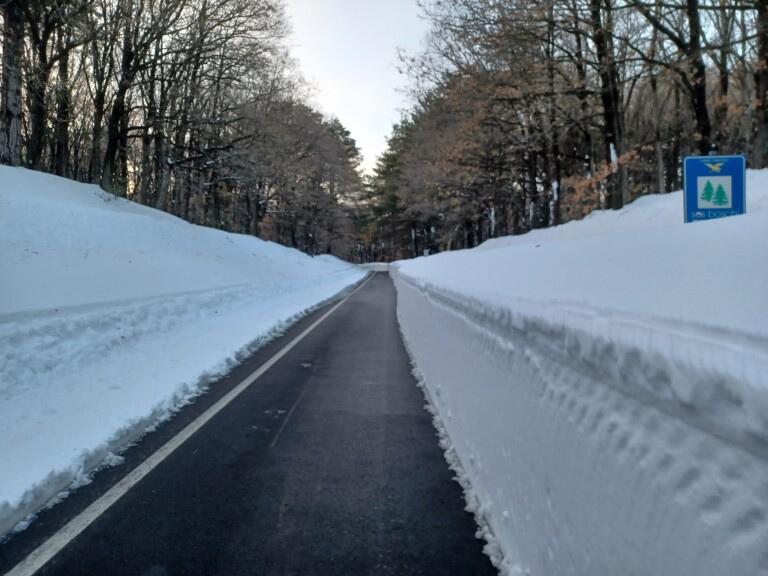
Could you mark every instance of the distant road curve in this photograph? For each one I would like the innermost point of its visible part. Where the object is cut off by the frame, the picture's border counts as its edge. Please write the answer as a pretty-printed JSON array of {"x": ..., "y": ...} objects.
[{"x": 376, "y": 266}]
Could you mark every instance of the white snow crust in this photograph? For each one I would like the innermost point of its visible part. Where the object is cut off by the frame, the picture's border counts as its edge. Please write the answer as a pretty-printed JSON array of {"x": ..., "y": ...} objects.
[
  {"x": 114, "y": 315},
  {"x": 603, "y": 388}
]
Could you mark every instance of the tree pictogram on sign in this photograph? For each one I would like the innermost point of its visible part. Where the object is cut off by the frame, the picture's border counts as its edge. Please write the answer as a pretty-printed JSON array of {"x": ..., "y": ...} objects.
[{"x": 721, "y": 197}]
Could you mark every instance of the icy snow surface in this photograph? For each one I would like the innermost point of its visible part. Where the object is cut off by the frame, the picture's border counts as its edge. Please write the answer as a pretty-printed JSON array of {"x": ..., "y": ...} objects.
[
  {"x": 603, "y": 386},
  {"x": 113, "y": 315}
]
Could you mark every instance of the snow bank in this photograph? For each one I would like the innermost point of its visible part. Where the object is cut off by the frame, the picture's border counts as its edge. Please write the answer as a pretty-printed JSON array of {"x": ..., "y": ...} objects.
[
  {"x": 604, "y": 386},
  {"x": 112, "y": 316}
]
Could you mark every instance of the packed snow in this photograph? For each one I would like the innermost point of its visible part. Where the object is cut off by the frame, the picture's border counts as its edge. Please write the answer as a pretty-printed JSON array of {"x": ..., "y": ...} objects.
[
  {"x": 602, "y": 388},
  {"x": 112, "y": 316}
]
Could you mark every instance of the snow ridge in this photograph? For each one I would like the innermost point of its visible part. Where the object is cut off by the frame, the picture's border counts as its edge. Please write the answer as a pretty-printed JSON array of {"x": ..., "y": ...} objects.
[
  {"x": 599, "y": 441},
  {"x": 87, "y": 381},
  {"x": 58, "y": 339},
  {"x": 492, "y": 548},
  {"x": 715, "y": 378},
  {"x": 113, "y": 316}
]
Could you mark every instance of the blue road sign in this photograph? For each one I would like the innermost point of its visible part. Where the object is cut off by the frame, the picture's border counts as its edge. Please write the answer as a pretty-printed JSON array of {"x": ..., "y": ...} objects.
[{"x": 715, "y": 186}]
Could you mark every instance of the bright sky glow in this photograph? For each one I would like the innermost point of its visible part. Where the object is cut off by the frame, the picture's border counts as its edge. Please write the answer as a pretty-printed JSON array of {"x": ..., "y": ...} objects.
[{"x": 347, "y": 49}]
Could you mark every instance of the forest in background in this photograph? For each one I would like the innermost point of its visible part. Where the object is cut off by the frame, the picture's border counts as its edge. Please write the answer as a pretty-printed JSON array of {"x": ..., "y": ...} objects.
[
  {"x": 532, "y": 113},
  {"x": 193, "y": 107},
  {"x": 524, "y": 114}
]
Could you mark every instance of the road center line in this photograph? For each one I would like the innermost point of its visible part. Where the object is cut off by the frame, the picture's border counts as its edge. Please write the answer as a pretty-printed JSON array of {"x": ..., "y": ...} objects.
[{"x": 46, "y": 551}]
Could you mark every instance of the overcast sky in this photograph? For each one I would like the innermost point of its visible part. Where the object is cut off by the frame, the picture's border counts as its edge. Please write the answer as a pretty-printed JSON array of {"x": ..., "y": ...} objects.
[{"x": 347, "y": 50}]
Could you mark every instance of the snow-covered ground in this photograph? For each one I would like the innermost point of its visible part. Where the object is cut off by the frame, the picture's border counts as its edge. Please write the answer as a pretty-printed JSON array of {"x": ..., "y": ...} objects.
[
  {"x": 604, "y": 387},
  {"x": 112, "y": 316}
]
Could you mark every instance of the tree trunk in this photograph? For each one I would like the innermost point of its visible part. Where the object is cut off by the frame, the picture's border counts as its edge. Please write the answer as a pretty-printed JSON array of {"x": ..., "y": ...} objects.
[
  {"x": 10, "y": 121},
  {"x": 99, "y": 110},
  {"x": 119, "y": 109},
  {"x": 37, "y": 89},
  {"x": 698, "y": 79},
  {"x": 63, "y": 106},
  {"x": 113, "y": 138},
  {"x": 658, "y": 141},
  {"x": 143, "y": 194},
  {"x": 122, "y": 153},
  {"x": 613, "y": 119},
  {"x": 162, "y": 192},
  {"x": 761, "y": 86},
  {"x": 580, "y": 62}
]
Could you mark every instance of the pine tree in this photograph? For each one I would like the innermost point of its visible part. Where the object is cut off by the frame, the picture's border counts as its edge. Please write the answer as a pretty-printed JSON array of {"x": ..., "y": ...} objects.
[
  {"x": 721, "y": 197},
  {"x": 708, "y": 192}
]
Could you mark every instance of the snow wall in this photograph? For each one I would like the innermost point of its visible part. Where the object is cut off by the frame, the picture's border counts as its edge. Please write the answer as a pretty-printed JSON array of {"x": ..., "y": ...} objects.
[{"x": 587, "y": 453}]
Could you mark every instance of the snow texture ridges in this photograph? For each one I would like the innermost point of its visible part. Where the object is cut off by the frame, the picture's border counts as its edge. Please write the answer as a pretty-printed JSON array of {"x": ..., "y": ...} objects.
[
  {"x": 597, "y": 441},
  {"x": 97, "y": 343}
]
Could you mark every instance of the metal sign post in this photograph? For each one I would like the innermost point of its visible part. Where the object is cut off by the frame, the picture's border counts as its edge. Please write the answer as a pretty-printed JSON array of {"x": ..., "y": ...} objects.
[{"x": 715, "y": 186}]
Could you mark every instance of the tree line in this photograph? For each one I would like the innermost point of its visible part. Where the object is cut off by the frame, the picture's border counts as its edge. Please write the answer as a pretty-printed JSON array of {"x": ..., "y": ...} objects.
[
  {"x": 532, "y": 113},
  {"x": 190, "y": 106}
]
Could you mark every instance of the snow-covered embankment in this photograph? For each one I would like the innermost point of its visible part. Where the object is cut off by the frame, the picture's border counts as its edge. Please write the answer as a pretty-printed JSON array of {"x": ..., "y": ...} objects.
[
  {"x": 113, "y": 316},
  {"x": 610, "y": 415}
]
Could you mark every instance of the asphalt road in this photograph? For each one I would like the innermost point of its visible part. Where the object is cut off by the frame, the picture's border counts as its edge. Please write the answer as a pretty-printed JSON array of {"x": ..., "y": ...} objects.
[{"x": 327, "y": 465}]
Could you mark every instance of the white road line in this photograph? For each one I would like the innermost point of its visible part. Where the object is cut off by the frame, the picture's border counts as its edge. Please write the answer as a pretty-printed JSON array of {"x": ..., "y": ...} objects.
[{"x": 46, "y": 551}]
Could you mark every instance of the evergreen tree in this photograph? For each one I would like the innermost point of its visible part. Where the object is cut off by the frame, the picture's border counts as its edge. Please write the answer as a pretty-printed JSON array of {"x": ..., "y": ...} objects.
[
  {"x": 708, "y": 192},
  {"x": 721, "y": 197}
]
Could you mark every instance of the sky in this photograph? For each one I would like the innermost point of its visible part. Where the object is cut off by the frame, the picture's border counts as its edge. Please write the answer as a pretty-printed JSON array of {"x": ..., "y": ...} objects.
[{"x": 347, "y": 50}]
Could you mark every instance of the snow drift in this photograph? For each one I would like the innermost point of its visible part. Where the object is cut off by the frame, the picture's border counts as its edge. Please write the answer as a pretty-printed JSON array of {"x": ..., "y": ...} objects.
[
  {"x": 112, "y": 316},
  {"x": 603, "y": 386}
]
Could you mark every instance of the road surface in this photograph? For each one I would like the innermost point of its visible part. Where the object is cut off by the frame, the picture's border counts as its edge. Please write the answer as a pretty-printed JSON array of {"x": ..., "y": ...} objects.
[{"x": 326, "y": 465}]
